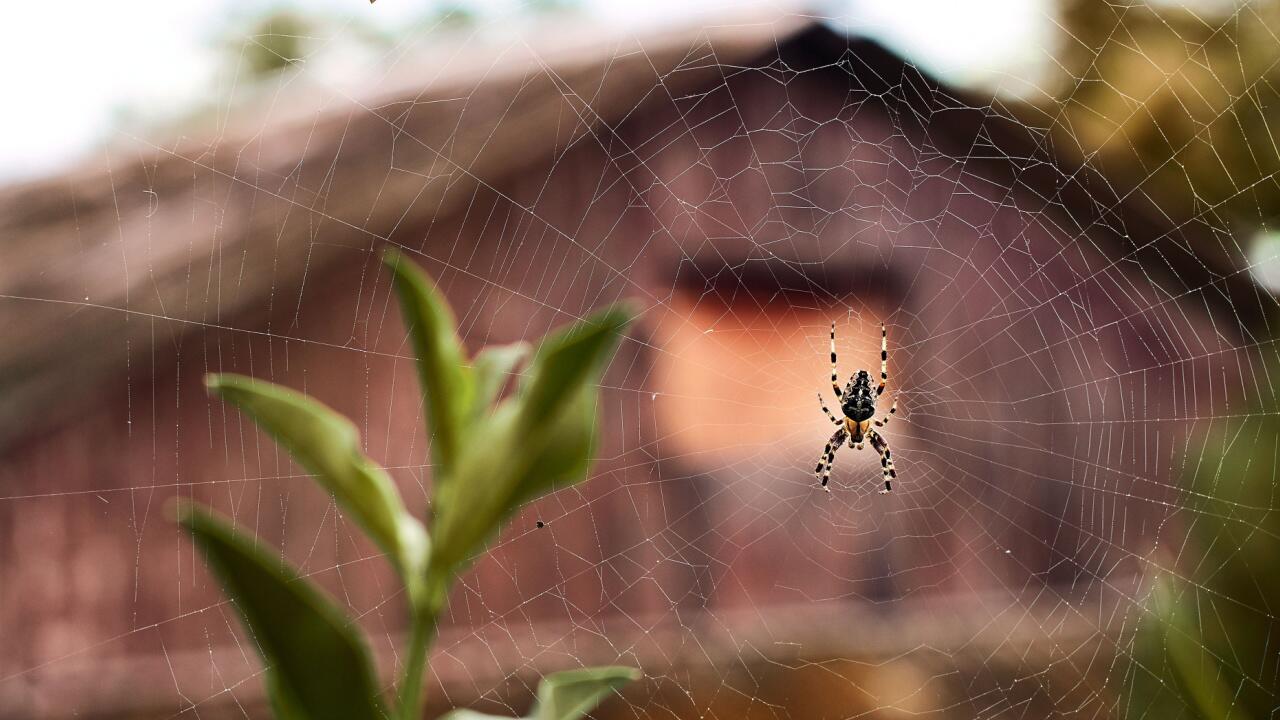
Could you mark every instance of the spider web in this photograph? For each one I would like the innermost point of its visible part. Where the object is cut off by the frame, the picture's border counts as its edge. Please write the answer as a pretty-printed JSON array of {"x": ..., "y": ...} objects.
[{"x": 1063, "y": 361}]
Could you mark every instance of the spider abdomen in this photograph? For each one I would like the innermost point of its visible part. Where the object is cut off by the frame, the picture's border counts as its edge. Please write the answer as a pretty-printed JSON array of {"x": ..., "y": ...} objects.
[
  {"x": 859, "y": 412},
  {"x": 859, "y": 405}
]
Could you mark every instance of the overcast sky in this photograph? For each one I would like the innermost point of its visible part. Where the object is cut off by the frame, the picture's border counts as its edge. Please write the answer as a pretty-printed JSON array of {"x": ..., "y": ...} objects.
[{"x": 73, "y": 66}]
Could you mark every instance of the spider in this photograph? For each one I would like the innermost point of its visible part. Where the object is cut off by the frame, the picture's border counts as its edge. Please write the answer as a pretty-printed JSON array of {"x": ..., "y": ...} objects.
[{"x": 859, "y": 407}]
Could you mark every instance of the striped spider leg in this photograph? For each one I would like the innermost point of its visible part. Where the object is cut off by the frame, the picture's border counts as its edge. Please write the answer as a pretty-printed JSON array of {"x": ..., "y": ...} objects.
[
  {"x": 823, "y": 471},
  {"x": 886, "y": 460}
]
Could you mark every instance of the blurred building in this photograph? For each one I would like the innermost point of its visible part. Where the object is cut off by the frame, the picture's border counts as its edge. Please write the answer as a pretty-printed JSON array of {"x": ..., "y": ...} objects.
[{"x": 1053, "y": 341}]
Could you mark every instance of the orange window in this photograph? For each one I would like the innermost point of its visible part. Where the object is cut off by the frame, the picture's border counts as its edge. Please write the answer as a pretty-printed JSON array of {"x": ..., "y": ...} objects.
[{"x": 740, "y": 378}]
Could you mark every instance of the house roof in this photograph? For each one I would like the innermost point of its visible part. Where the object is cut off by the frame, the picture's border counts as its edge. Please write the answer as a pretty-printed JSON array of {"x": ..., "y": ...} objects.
[
  {"x": 1012, "y": 147},
  {"x": 159, "y": 240}
]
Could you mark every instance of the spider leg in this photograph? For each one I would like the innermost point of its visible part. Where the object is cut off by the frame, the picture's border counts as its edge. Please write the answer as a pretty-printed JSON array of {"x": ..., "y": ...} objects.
[
  {"x": 884, "y": 359},
  {"x": 823, "y": 471},
  {"x": 886, "y": 460},
  {"x": 835, "y": 380},
  {"x": 830, "y": 417},
  {"x": 892, "y": 409}
]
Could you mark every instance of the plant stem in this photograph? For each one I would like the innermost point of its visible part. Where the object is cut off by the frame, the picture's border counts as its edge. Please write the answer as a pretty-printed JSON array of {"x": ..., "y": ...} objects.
[
  {"x": 411, "y": 695},
  {"x": 422, "y": 634}
]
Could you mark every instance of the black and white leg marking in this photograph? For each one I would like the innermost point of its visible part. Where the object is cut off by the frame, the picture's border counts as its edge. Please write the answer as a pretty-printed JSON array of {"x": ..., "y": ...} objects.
[
  {"x": 832, "y": 418},
  {"x": 823, "y": 471},
  {"x": 884, "y": 358},
  {"x": 886, "y": 460},
  {"x": 835, "y": 380},
  {"x": 892, "y": 409}
]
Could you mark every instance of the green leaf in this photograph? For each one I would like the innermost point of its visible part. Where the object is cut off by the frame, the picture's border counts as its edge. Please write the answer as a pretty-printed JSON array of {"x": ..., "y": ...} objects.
[
  {"x": 491, "y": 368},
  {"x": 568, "y": 449},
  {"x": 317, "y": 666},
  {"x": 566, "y": 361},
  {"x": 283, "y": 707},
  {"x": 328, "y": 446},
  {"x": 1193, "y": 661},
  {"x": 446, "y": 382},
  {"x": 471, "y": 715},
  {"x": 557, "y": 411},
  {"x": 470, "y": 509},
  {"x": 566, "y": 695},
  {"x": 537, "y": 441},
  {"x": 571, "y": 694}
]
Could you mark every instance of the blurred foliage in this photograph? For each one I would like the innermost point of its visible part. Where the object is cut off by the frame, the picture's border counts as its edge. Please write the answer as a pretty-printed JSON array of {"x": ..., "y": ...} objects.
[
  {"x": 1210, "y": 645},
  {"x": 255, "y": 50},
  {"x": 491, "y": 457},
  {"x": 1179, "y": 100},
  {"x": 449, "y": 16},
  {"x": 274, "y": 43},
  {"x": 552, "y": 6}
]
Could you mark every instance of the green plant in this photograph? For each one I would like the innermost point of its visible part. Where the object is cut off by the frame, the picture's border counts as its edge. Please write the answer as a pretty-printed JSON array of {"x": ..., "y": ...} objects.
[
  {"x": 1208, "y": 647},
  {"x": 489, "y": 459}
]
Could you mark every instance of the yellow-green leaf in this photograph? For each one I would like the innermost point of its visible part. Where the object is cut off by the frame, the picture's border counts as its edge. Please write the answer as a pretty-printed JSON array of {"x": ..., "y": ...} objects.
[
  {"x": 470, "y": 509},
  {"x": 446, "y": 382},
  {"x": 571, "y": 694},
  {"x": 1197, "y": 670},
  {"x": 566, "y": 695},
  {"x": 566, "y": 453},
  {"x": 283, "y": 707},
  {"x": 534, "y": 442},
  {"x": 328, "y": 446},
  {"x": 490, "y": 369},
  {"x": 317, "y": 666},
  {"x": 566, "y": 361}
]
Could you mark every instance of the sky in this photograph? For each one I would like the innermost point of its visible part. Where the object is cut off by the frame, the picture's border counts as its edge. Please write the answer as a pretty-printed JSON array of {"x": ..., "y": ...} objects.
[{"x": 74, "y": 68}]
